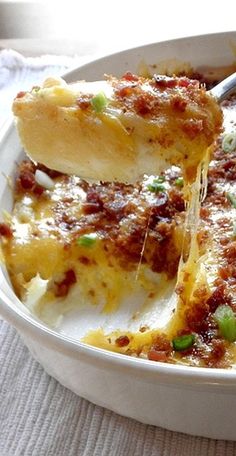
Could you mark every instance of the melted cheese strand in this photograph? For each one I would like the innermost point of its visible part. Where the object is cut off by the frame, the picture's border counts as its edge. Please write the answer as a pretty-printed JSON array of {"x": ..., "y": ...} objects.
[
  {"x": 191, "y": 273},
  {"x": 143, "y": 247}
]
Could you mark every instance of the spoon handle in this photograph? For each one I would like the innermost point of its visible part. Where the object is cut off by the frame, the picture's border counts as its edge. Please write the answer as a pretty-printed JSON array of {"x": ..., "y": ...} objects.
[{"x": 224, "y": 88}]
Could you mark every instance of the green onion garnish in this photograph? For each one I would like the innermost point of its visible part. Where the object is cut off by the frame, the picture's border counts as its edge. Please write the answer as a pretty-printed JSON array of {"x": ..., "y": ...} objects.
[
  {"x": 87, "y": 240},
  {"x": 229, "y": 142},
  {"x": 183, "y": 342},
  {"x": 231, "y": 198},
  {"x": 35, "y": 89},
  {"x": 226, "y": 321},
  {"x": 99, "y": 102},
  {"x": 179, "y": 181},
  {"x": 156, "y": 185},
  {"x": 234, "y": 229}
]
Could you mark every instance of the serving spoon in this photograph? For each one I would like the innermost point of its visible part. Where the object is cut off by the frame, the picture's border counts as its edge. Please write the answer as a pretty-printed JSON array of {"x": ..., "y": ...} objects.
[{"x": 225, "y": 88}]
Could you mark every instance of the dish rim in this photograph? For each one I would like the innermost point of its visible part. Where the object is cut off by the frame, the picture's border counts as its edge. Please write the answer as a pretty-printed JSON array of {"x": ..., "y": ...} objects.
[{"x": 170, "y": 373}]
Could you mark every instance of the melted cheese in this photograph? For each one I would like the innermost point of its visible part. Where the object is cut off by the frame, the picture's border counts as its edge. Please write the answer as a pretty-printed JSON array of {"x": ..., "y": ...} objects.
[
  {"x": 144, "y": 128},
  {"x": 120, "y": 144}
]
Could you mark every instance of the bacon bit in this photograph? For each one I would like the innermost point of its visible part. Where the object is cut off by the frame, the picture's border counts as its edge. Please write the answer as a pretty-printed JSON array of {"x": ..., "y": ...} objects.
[
  {"x": 157, "y": 355},
  {"x": 26, "y": 178},
  {"x": 143, "y": 104},
  {"x": 162, "y": 343},
  {"x": 192, "y": 127},
  {"x": 128, "y": 76},
  {"x": 179, "y": 289},
  {"x": 218, "y": 350},
  {"x": 20, "y": 94},
  {"x": 84, "y": 101},
  {"x": 230, "y": 253},
  {"x": 185, "y": 82},
  {"x": 218, "y": 297},
  {"x": 224, "y": 272},
  {"x": 196, "y": 317},
  {"x": 38, "y": 190},
  {"x": 201, "y": 292},
  {"x": 204, "y": 213},
  {"x": 179, "y": 103},
  {"x": 176, "y": 199},
  {"x": 202, "y": 237},
  {"x": 161, "y": 349},
  {"x": 123, "y": 91},
  {"x": 62, "y": 288},
  {"x": 84, "y": 260},
  {"x": 94, "y": 195},
  {"x": 5, "y": 230},
  {"x": 122, "y": 341},
  {"x": 91, "y": 208},
  {"x": 164, "y": 82}
]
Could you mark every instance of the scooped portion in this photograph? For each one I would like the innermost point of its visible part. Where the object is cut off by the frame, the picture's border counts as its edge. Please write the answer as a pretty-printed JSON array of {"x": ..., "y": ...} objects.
[{"x": 118, "y": 129}]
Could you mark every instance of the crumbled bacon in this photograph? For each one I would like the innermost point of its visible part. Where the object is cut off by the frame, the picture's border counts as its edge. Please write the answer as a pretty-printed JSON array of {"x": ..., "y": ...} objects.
[
  {"x": 218, "y": 297},
  {"x": 179, "y": 103},
  {"x": 196, "y": 316},
  {"x": 230, "y": 253},
  {"x": 164, "y": 82},
  {"x": 26, "y": 179},
  {"x": 5, "y": 230},
  {"x": 124, "y": 90},
  {"x": 122, "y": 341},
  {"x": 215, "y": 358},
  {"x": 20, "y": 94},
  {"x": 161, "y": 349},
  {"x": 192, "y": 127},
  {"x": 168, "y": 82},
  {"x": 157, "y": 355},
  {"x": 84, "y": 101},
  {"x": 128, "y": 76},
  {"x": 62, "y": 288},
  {"x": 145, "y": 104},
  {"x": 91, "y": 207}
]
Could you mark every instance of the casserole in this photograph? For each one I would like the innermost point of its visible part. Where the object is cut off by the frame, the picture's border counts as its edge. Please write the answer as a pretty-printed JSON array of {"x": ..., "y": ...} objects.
[{"x": 150, "y": 392}]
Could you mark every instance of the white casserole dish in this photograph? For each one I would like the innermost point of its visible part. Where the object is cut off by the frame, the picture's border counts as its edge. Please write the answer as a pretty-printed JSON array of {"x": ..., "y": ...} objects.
[{"x": 192, "y": 400}]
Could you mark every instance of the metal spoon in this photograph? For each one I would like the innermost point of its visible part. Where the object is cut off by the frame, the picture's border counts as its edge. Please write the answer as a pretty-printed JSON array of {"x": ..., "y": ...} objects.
[{"x": 222, "y": 90}]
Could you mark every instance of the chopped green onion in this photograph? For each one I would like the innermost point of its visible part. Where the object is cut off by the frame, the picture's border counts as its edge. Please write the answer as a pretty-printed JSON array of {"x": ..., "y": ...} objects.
[
  {"x": 36, "y": 89},
  {"x": 231, "y": 198},
  {"x": 99, "y": 102},
  {"x": 156, "y": 185},
  {"x": 229, "y": 142},
  {"x": 87, "y": 240},
  {"x": 183, "y": 342},
  {"x": 226, "y": 321},
  {"x": 179, "y": 181}
]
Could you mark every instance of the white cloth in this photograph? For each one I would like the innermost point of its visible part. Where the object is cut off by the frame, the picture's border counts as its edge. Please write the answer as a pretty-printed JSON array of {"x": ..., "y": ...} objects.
[
  {"x": 38, "y": 416},
  {"x": 20, "y": 73}
]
